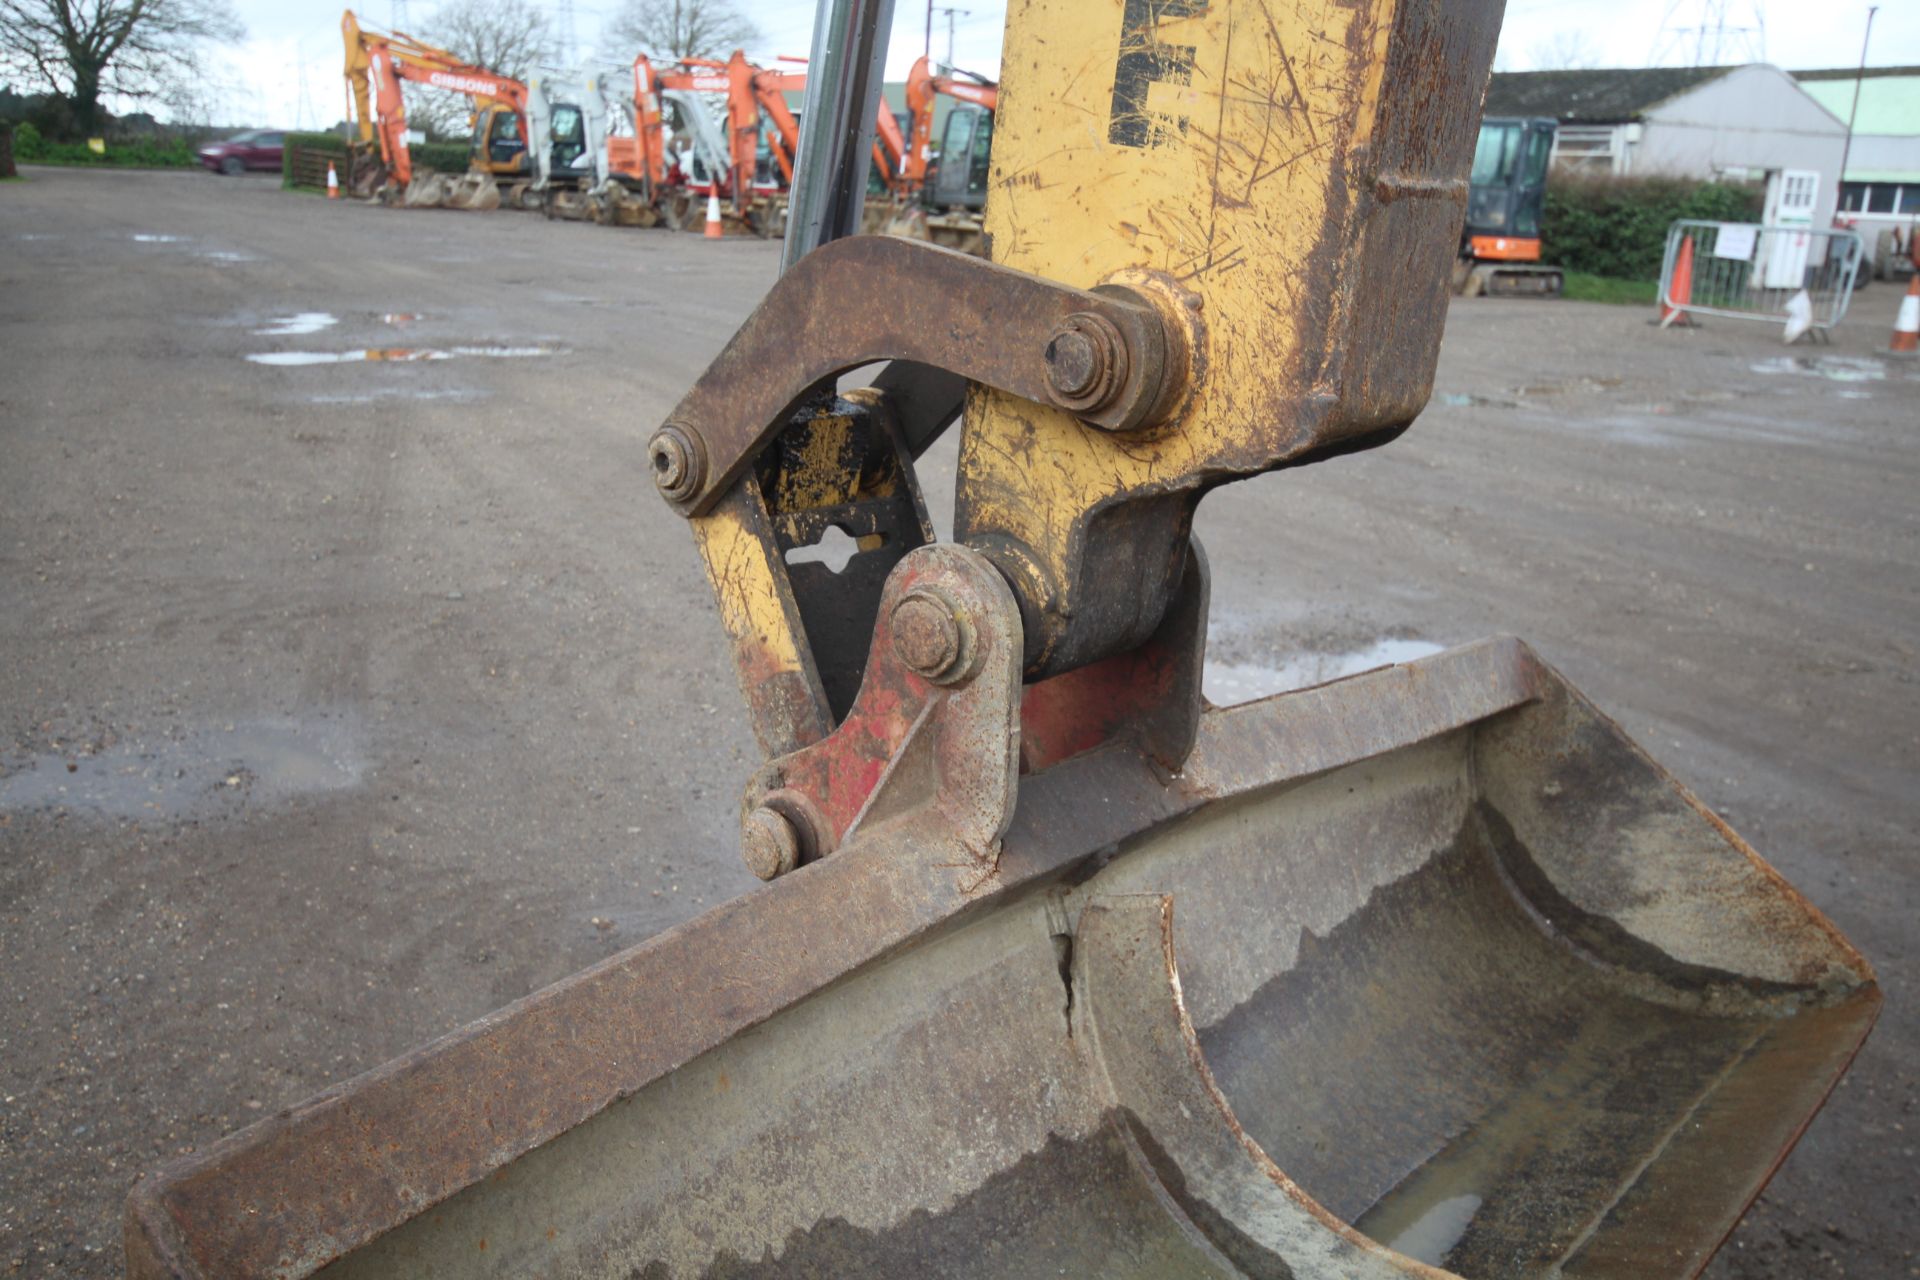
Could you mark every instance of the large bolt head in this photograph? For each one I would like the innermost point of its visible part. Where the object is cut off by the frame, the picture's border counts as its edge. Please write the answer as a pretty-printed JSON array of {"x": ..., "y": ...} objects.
[
  {"x": 927, "y": 635},
  {"x": 1086, "y": 362},
  {"x": 769, "y": 844},
  {"x": 1073, "y": 363},
  {"x": 678, "y": 461}
]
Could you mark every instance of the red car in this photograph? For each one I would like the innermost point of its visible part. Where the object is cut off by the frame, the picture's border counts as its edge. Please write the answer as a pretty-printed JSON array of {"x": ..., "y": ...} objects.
[{"x": 254, "y": 149}]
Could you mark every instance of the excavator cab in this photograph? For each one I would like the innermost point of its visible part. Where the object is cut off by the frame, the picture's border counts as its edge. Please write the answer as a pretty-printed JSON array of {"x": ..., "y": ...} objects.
[
  {"x": 569, "y": 139},
  {"x": 1506, "y": 195},
  {"x": 1061, "y": 969},
  {"x": 959, "y": 176},
  {"x": 498, "y": 146}
]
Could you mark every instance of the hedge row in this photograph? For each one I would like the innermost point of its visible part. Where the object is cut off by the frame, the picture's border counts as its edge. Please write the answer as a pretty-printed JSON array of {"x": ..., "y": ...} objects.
[
  {"x": 1617, "y": 227},
  {"x": 30, "y": 146},
  {"x": 439, "y": 157},
  {"x": 443, "y": 157}
]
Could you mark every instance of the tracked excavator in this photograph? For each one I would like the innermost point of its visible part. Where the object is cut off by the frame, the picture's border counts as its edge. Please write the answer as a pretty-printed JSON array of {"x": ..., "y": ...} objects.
[
  {"x": 582, "y": 168},
  {"x": 942, "y": 201},
  {"x": 1506, "y": 195},
  {"x": 377, "y": 63},
  {"x": 1060, "y": 969}
]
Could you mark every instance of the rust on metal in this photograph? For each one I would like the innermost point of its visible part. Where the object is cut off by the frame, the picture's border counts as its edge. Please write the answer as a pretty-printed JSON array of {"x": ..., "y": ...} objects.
[
  {"x": 924, "y": 304},
  {"x": 1624, "y": 962},
  {"x": 678, "y": 459},
  {"x": 936, "y": 722}
]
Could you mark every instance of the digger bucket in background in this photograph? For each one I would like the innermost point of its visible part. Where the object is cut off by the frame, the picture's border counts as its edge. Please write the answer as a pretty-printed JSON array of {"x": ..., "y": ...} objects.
[
  {"x": 474, "y": 192},
  {"x": 425, "y": 191},
  {"x": 1425, "y": 972}
]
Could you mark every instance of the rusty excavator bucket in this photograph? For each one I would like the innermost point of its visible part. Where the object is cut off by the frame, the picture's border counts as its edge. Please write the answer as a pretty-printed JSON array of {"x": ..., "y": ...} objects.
[{"x": 1061, "y": 971}]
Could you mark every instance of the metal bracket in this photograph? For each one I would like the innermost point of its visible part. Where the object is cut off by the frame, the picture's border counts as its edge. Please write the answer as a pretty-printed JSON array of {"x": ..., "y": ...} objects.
[
  {"x": 1150, "y": 695},
  {"x": 1106, "y": 356},
  {"x": 935, "y": 728}
]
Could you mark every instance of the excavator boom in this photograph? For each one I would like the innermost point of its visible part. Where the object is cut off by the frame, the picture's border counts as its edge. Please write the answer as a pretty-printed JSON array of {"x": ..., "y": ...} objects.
[
  {"x": 1061, "y": 970},
  {"x": 385, "y": 59}
]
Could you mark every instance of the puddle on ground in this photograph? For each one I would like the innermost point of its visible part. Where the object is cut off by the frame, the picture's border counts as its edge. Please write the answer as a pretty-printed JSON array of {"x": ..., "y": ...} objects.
[
  {"x": 1579, "y": 386},
  {"x": 399, "y": 319},
  {"x": 1227, "y": 684},
  {"x": 260, "y": 763},
  {"x": 1836, "y": 368},
  {"x": 1458, "y": 399},
  {"x": 148, "y": 237},
  {"x": 396, "y": 355},
  {"x": 303, "y": 323},
  {"x": 395, "y": 393},
  {"x": 228, "y": 255}
]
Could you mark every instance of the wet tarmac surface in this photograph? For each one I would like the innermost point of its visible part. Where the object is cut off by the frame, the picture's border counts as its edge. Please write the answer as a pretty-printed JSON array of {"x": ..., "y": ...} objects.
[{"x": 348, "y": 699}]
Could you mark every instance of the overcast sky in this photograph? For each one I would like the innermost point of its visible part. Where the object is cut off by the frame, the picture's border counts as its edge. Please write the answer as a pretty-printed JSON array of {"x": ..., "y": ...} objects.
[{"x": 287, "y": 72}]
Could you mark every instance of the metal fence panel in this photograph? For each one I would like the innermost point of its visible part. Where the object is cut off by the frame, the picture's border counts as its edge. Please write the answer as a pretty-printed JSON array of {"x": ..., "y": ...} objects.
[{"x": 1749, "y": 272}]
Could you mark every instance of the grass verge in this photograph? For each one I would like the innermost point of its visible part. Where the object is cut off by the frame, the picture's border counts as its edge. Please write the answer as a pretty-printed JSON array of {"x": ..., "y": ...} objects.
[{"x": 1581, "y": 287}]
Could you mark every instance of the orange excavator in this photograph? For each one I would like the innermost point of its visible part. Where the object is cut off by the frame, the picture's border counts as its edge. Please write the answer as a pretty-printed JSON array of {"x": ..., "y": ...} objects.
[
  {"x": 723, "y": 162},
  {"x": 377, "y": 63},
  {"x": 892, "y": 159},
  {"x": 750, "y": 167},
  {"x": 922, "y": 88},
  {"x": 945, "y": 202}
]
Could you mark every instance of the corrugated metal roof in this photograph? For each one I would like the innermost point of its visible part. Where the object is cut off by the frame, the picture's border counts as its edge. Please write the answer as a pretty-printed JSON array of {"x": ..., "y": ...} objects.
[
  {"x": 1592, "y": 97},
  {"x": 1889, "y": 97}
]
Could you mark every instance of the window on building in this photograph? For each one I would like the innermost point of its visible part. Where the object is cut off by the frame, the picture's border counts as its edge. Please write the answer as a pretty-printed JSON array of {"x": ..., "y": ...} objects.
[
  {"x": 1585, "y": 148},
  {"x": 1880, "y": 197}
]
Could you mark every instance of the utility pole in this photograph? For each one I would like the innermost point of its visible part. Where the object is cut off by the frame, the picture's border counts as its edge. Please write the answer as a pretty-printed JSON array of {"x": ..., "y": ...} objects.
[
  {"x": 569, "y": 46},
  {"x": 965, "y": 13},
  {"x": 926, "y": 50},
  {"x": 1846, "y": 148}
]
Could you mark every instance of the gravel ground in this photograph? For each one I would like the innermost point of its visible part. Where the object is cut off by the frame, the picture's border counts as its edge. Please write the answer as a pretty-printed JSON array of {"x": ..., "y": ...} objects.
[{"x": 346, "y": 700}]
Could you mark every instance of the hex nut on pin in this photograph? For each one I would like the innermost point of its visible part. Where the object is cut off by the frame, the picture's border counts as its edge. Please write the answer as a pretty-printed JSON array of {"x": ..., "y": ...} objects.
[
  {"x": 679, "y": 461},
  {"x": 930, "y": 637},
  {"x": 1086, "y": 362},
  {"x": 769, "y": 844}
]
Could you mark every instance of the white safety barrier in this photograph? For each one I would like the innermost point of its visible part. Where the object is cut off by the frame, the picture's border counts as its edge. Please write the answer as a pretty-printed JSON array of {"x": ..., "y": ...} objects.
[{"x": 1749, "y": 272}]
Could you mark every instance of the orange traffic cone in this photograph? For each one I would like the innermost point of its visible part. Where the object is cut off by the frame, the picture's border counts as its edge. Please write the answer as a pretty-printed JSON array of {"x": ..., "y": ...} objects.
[
  {"x": 333, "y": 182},
  {"x": 1906, "y": 330},
  {"x": 713, "y": 216},
  {"x": 1679, "y": 288}
]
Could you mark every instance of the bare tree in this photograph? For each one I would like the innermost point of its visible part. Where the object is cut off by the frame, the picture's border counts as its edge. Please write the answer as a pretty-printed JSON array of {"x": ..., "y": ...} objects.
[
  {"x": 84, "y": 49},
  {"x": 507, "y": 37},
  {"x": 668, "y": 29},
  {"x": 1564, "y": 51},
  {"x": 510, "y": 37}
]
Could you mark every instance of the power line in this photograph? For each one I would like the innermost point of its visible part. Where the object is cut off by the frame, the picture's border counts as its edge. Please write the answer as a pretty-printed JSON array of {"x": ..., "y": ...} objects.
[
  {"x": 569, "y": 40},
  {"x": 1712, "y": 39}
]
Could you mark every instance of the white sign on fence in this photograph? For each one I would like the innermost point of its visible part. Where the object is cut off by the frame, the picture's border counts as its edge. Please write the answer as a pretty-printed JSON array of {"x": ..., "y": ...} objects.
[{"x": 1735, "y": 242}]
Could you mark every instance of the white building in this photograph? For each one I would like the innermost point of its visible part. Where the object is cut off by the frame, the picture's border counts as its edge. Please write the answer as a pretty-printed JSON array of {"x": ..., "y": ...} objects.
[
  {"x": 1749, "y": 123},
  {"x": 1881, "y": 188}
]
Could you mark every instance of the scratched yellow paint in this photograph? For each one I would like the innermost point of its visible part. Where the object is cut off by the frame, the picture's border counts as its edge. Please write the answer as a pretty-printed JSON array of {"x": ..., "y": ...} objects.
[
  {"x": 1229, "y": 198},
  {"x": 1226, "y": 150},
  {"x": 741, "y": 572}
]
